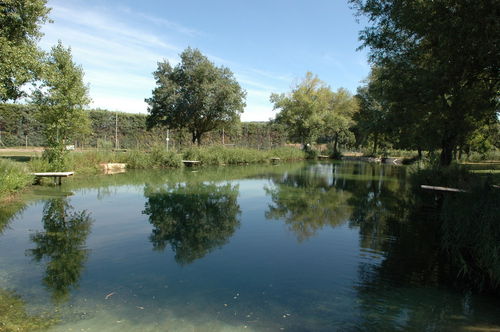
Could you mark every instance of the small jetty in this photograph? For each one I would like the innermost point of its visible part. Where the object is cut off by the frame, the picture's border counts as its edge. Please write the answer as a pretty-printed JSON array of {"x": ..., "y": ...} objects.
[
  {"x": 190, "y": 163},
  {"x": 275, "y": 160},
  {"x": 57, "y": 176},
  {"x": 443, "y": 189},
  {"x": 322, "y": 156}
]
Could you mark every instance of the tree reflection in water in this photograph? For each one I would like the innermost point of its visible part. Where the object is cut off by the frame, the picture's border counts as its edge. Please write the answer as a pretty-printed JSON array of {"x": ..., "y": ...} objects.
[
  {"x": 193, "y": 218},
  {"x": 307, "y": 202},
  {"x": 62, "y": 244},
  {"x": 8, "y": 212}
]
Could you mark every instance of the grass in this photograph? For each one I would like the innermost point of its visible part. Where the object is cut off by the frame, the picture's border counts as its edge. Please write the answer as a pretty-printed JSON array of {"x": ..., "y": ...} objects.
[
  {"x": 88, "y": 161},
  {"x": 469, "y": 228},
  {"x": 218, "y": 155},
  {"x": 14, "y": 176}
]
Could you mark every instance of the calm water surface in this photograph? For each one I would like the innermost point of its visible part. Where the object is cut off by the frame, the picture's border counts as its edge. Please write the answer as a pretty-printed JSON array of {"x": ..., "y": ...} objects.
[{"x": 296, "y": 247}]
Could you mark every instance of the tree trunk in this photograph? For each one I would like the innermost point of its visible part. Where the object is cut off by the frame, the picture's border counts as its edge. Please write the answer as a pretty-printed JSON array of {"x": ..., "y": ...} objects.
[
  {"x": 199, "y": 139},
  {"x": 447, "y": 147},
  {"x": 375, "y": 144},
  {"x": 419, "y": 149},
  {"x": 335, "y": 143}
]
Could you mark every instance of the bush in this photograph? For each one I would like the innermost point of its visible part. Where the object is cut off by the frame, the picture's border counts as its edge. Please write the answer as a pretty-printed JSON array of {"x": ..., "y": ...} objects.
[
  {"x": 159, "y": 157},
  {"x": 13, "y": 177}
]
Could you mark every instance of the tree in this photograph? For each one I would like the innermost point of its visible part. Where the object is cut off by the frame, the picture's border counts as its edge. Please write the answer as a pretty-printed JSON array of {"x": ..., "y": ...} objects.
[
  {"x": 20, "y": 22},
  {"x": 196, "y": 95},
  {"x": 447, "y": 52},
  {"x": 302, "y": 110},
  {"x": 338, "y": 120},
  {"x": 60, "y": 98},
  {"x": 370, "y": 118}
]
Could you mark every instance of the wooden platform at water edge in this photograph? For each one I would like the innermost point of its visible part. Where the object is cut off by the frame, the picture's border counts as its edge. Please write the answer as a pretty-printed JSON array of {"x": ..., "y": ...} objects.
[
  {"x": 190, "y": 163},
  {"x": 56, "y": 175}
]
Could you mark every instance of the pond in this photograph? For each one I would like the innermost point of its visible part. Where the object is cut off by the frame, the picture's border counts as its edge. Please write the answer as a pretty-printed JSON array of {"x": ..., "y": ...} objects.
[{"x": 291, "y": 247}]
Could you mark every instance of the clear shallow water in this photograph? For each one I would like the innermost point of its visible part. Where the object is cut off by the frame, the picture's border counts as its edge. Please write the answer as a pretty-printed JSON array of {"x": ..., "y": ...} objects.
[{"x": 297, "y": 247}]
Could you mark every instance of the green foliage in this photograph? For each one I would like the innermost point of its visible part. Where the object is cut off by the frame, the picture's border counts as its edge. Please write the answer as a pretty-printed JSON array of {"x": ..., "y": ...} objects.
[
  {"x": 14, "y": 315},
  {"x": 302, "y": 110},
  {"x": 20, "y": 23},
  {"x": 339, "y": 119},
  {"x": 160, "y": 157},
  {"x": 428, "y": 83},
  {"x": 218, "y": 155},
  {"x": 62, "y": 246},
  {"x": 193, "y": 218},
  {"x": 304, "y": 202},
  {"x": 312, "y": 110},
  {"x": 469, "y": 228},
  {"x": 13, "y": 177},
  {"x": 18, "y": 122},
  {"x": 60, "y": 99},
  {"x": 195, "y": 95}
]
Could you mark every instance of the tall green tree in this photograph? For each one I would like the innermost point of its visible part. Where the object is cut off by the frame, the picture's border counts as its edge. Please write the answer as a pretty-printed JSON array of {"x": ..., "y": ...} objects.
[
  {"x": 369, "y": 120},
  {"x": 60, "y": 98},
  {"x": 441, "y": 60},
  {"x": 195, "y": 95},
  {"x": 302, "y": 110},
  {"x": 20, "y": 22},
  {"x": 338, "y": 120}
]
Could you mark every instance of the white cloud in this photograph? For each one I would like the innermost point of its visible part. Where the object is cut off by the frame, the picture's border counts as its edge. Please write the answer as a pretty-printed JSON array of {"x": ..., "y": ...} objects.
[
  {"x": 169, "y": 24},
  {"x": 107, "y": 25},
  {"x": 118, "y": 57}
]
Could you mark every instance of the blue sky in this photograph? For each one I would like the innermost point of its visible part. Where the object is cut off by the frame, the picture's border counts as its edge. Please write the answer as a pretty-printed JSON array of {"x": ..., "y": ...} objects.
[{"x": 269, "y": 45}]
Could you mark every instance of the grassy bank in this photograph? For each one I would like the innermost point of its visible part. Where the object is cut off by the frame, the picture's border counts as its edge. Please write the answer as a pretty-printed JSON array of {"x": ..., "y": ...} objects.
[
  {"x": 88, "y": 161},
  {"x": 14, "y": 176}
]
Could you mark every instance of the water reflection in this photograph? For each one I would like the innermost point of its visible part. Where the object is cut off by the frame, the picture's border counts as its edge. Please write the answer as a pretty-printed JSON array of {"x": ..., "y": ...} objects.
[
  {"x": 8, "y": 213},
  {"x": 378, "y": 270},
  {"x": 62, "y": 245},
  {"x": 307, "y": 201},
  {"x": 193, "y": 218}
]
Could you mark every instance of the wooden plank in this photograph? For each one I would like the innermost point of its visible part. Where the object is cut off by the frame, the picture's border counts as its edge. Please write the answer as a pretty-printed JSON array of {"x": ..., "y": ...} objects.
[
  {"x": 455, "y": 190},
  {"x": 322, "y": 156},
  {"x": 190, "y": 162},
  {"x": 54, "y": 174}
]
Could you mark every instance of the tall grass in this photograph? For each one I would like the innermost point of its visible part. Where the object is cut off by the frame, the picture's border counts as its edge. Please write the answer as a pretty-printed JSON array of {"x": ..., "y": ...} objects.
[
  {"x": 469, "y": 222},
  {"x": 14, "y": 176},
  {"x": 218, "y": 155},
  {"x": 158, "y": 157}
]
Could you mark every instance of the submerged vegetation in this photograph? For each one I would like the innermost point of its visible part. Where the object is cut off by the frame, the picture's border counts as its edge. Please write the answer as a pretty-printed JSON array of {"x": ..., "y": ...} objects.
[{"x": 15, "y": 317}]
